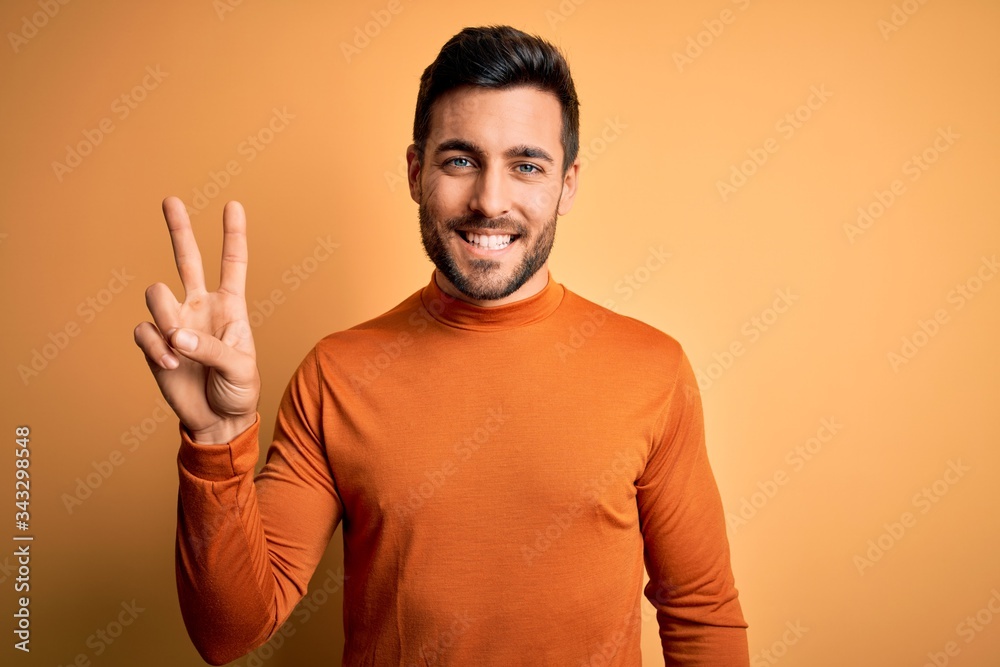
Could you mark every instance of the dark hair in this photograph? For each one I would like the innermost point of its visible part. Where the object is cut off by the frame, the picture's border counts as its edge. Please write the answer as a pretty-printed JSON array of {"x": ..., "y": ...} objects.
[{"x": 499, "y": 57}]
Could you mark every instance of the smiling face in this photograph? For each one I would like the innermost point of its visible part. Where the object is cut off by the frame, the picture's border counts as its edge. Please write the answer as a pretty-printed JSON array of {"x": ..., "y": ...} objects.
[{"x": 490, "y": 187}]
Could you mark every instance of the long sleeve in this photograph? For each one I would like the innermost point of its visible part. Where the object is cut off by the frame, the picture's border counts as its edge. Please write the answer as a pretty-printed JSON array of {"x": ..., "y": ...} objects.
[
  {"x": 246, "y": 547},
  {"x": 684, "y": 533},
  {"x": 497, "y": 509}
]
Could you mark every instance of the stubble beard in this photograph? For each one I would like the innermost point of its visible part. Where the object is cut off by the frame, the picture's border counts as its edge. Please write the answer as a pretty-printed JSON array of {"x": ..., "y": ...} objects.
[{"x": 485, "y": 280}]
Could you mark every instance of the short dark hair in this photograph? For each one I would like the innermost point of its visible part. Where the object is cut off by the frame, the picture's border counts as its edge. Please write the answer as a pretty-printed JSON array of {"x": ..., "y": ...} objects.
[{"x": 499, "y": 57}]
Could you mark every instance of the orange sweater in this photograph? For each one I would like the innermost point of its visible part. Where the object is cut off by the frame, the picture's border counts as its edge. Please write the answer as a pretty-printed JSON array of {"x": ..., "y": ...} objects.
[{"x": 502, "y": 475}]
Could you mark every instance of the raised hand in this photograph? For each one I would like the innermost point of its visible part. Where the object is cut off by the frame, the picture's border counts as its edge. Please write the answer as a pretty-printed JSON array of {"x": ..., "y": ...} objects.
[{"x": 201, "y": 351}]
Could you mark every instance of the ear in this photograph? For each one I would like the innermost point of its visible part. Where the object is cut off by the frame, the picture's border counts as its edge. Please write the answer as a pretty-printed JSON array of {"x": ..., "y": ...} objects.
[
  {"x": 570, "y": 180},
  {"x": 413, "y": 172}
]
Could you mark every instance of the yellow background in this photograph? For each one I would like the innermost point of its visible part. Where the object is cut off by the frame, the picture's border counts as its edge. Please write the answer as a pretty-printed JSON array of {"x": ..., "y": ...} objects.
[{"x": 660, "y": 132}]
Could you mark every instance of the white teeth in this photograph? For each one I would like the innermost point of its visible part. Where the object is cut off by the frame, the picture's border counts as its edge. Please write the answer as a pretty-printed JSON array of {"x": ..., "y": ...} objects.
[{"x": 488, "y": 242}]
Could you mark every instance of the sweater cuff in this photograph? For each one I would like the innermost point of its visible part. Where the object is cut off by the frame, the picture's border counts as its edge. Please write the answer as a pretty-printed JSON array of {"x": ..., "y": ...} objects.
[{"x": 223, "y": 461}]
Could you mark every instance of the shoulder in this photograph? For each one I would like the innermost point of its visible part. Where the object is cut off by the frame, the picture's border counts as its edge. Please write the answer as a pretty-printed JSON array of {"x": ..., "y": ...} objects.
[
  {"x": 397, "y": 325},
  {"x": 630, "y": 340},
  {"x": 633, "y": 331}
]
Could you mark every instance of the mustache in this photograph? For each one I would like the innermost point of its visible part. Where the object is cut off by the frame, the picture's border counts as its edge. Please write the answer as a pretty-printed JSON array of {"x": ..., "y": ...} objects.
[{"x": 505, "y": 223}]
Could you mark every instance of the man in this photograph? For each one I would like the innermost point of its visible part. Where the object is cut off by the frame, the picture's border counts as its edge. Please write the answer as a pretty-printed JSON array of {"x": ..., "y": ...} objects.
[{"x": 504, "y": 454}]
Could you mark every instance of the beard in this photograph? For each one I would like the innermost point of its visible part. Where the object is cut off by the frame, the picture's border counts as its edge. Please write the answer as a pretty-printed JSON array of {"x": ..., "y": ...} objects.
[{"x": 486, "y": 279}]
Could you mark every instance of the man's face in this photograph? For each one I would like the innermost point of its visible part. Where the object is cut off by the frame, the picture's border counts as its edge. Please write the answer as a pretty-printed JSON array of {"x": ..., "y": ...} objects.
[{"x": 490, "y": 188}]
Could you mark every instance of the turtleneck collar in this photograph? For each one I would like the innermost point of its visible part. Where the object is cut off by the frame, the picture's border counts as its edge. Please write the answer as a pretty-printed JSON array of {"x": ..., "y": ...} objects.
[{"x": 454, "y": 312}]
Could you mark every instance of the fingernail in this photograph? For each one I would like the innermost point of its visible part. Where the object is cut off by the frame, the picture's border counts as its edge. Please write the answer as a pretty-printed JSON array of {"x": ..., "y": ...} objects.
[
  {"x": 169, "y": 361},
  {"x": 185, "y": 340}
]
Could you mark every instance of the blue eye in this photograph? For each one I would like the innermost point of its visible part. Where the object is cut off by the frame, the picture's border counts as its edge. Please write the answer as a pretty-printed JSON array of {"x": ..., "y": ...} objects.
[
  {"x": 456, "y": 160},
  {"x": 531, "y": 168}
]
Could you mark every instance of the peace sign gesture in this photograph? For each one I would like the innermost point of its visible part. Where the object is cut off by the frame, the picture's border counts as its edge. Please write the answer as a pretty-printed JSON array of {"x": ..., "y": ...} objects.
[{"x": 201, "y": 351}]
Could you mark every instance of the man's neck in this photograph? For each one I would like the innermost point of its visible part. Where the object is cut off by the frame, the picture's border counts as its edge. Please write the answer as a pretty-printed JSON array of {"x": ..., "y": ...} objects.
[{"x": 535, "y": 284}]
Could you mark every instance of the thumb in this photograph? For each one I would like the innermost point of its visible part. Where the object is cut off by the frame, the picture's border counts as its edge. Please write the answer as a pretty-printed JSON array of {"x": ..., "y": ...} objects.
[{"x": 206, "y": 350}]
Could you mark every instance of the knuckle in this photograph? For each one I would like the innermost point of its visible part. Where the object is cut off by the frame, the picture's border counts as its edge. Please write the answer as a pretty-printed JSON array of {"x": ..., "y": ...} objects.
[
  {"x": 213, "y": 350},
  {"x": 152, "y": 291}
]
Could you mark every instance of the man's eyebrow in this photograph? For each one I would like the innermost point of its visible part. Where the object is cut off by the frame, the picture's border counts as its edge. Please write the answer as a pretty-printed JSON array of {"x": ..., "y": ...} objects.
[
  {"x": 458, "y": 145},
  {"x": 521, "y": 150},
  {"x": 533, "y": 152}
]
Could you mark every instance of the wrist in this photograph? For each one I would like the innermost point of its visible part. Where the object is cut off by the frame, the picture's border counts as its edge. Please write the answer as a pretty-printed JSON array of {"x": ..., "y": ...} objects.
[{"x": 224, "y": 431}]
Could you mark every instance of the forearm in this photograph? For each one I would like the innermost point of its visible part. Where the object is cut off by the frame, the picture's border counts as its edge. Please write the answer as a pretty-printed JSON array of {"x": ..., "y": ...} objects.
[
  {"x": 247, "y": 546},
  {"x": 686, "y": 547},
  {"x": 695, "y": 645},
  {"x": 225, "y": 583}
]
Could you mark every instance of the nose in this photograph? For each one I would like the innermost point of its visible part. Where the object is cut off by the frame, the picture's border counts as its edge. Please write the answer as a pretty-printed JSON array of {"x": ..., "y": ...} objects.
[{"x": 491, "y": 197}]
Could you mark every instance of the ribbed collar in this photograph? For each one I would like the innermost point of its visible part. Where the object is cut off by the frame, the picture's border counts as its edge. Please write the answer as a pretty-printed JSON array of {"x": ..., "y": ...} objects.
[{"x": 464, "y": 315}]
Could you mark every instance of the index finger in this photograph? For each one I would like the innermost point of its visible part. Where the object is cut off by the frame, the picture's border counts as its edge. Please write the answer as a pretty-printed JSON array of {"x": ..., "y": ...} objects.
[
  {"x": 186, "y": 253},
  {"x": 234, "y": 249}
]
